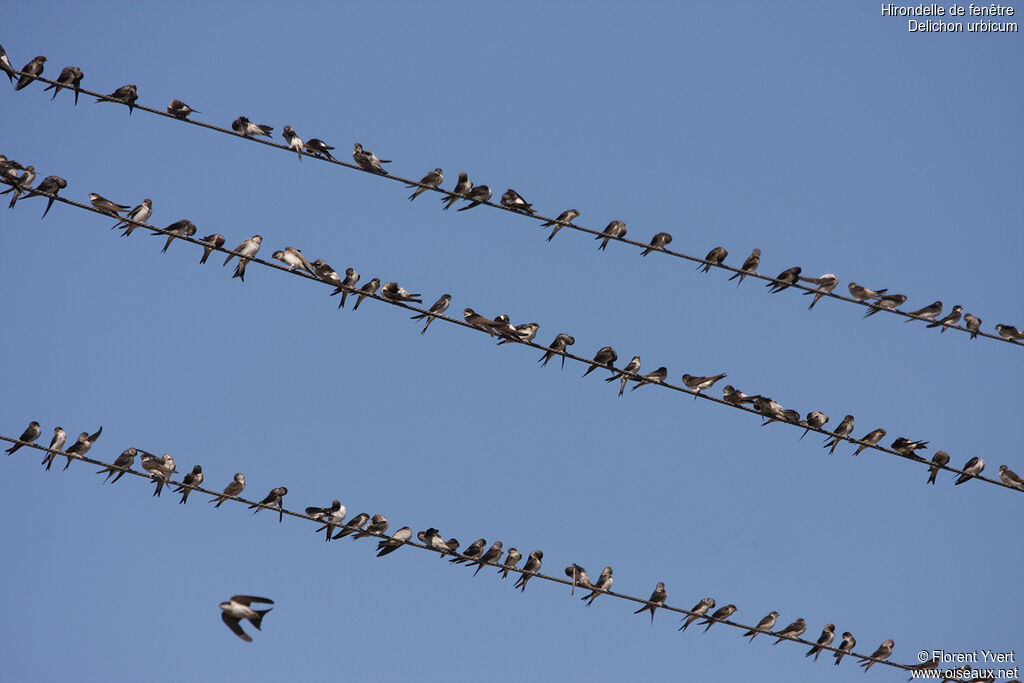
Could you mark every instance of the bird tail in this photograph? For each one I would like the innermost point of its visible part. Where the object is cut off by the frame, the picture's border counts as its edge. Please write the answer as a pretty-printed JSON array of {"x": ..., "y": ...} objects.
[{"x": 258, "y": 619}]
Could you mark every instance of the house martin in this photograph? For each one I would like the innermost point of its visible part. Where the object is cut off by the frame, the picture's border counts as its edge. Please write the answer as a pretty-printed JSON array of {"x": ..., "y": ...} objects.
[
  {"x": 368, "y": 161},
  {"x": 564, "y": 218},
  {"x": 439, "y": 307},
  {"x": 431, "y": 181},
  {"x": 238, "y": 608},
  {"x": 614, "y": 230},
  {"x": 180, "y": 110},
  {"x": 272, "y": 500},
  {"x": 234, "y": 489},
  {"x": 245, "y": 127},
  {"x": 31, "y": 433}
]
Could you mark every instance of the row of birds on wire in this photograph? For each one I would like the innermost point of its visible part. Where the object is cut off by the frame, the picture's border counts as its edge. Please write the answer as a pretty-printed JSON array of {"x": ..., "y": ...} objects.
[
  {"x": 502, "y": 328},
  {"x": 474, "y": 195},
  {"x": 335, "y": 525}
]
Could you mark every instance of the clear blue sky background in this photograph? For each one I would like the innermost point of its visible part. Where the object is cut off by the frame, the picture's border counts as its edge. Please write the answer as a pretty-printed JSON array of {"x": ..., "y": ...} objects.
[{"x": 826, "y": 135}]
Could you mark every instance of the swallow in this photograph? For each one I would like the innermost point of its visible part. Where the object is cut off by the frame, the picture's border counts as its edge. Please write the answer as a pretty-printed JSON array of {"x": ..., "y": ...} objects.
[
  {"x": 318, "y": 148},
  {"x": 714, "y": 257},
  {"x": 236, "y": 609},
  {"x": 863, "y": 293},
  {"x": 605, "y": 357},
  {"x": 30, "y": 71},
  {"x": 233, "y": 489},
  {"x": 764, "y": 626},
  {"x": 845, "y": 646},
  {"x": 493, "y": 555},
  {"x": 476, "y": 196},
  {"x": 355, "y": 524},
  {"x": 826, "y": 283},
  {"x": 192, "y": 479},
  {"x": 889, "y": 302},
  {"x": 531, "y": 567},
  {"x": 784, "y": 279},
  {"x": 324, "y": 272},
  {"x": 513, "y": 200},
  {"x": 475, "y": 550},
  {"x": 841, "y": 432},
  {"x": 126, "y": 94},
  {"x": 731, "y": 394},
  {"x": 6, "y": 66},
  {"x": 21, "y": 184},
  {"x": 272, "y": 500},
  {"x": 1010, "y": 332},
  {"x": 656, "y": 600},
  {"x": 139, "y": 214},
  {"x": 828, "y": 634},
  {"x": 656, "y": 377},
  {"x": 332, "y": 517},
  {"x": 699, "y": 610},
  {"x": 658, "y": 243},
  {"x": 615, "y": 229},
  {"x": 392, "y": 291},
  {"x": 245, "y": 251},
  {"x": 462, "y": 188},
  {"x": 561, "y": 341},
  {"x": 478, "y": 321},
  {"x": 815, "y": 420},
  {"x": 881, "y": 654},
  {"x": 769, "y": 408},
  {"x": 392, "y": 544},
  {"x": 160, "y": 470},
  {"x": 245, "y": 127},
  {"x": 794, "y": 630},
  {"x": 70, "y": 77},
  {"x": 579, "y": 577},
  {"x": 623, "y": 375},
  {"x": 718, "y": 615},
  {"x": 368, "y": 161},
  {"x": 603, "y": 585},
  {"x": 453, "y": 546},
  {"x": 907, "y": 447},
  {"x": 366, "y": 290},
  {"x": 182, "y": 228},
  {"x": 31, "y": 433},
  {"x": 123, "y": 463},
  {"x": 1010, "y": 478},
  {"x": 698, "y": 384},
  {"x": 211, "y": 242},
  {"x": 973, "y": 324},
  {"x": 939, "y": 460},
  {"x": 929, "y": 312},
  {"x": 749, "y": 266},
  {"x": 293, "y": 258},
  {"x": 85, "y": 442},
  {"x": 377, "y": 526},
  {"x": 180, "y": 110},
  {"x": 431, "y": 181},
  {"x": 564, "y": 218},
  {"x": 344, "y": 286},
  {"x": 510, "y": 561},
  {"x": 930, "y": 665},
  {"x": 504, "y": 328},
  {"x": 870, "y": 439},
  {"x": 60, "y": 437},
  {"x": 439, "y": 307},
  {"x": 973, "y": 467},
  {"x": 525, "y": 333},
  {"x": 434, "y": 541},
  {"x": 948, "y": 320},
  {"x": 103, "y": 205}
]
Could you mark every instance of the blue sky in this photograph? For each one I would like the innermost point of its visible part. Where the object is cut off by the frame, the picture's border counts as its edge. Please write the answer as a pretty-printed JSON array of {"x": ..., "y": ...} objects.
[{"x": 829, "y": 137}]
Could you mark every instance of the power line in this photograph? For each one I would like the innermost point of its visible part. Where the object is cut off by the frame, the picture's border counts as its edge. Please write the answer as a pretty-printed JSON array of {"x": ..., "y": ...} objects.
[
  {"x": 498, "y": 564},
  {"x": 547, "y": 349},
  {"x": 677, "y": 254}
]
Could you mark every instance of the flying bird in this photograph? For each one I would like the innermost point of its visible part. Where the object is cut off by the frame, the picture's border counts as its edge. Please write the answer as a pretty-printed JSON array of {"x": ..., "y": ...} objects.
[
  {"x": 564, "y": 218},
  {"x": 238, "y": 608}
]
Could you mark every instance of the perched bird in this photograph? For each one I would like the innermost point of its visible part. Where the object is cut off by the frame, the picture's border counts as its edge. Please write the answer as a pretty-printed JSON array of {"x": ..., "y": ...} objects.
[
  {"x": 939, "y": 460},
  {"x": 344, "y": 286},
  {"x": 478, "y": 321},
  {"x": 718, "y": 615},
  {"x": 698, "y": 384},
  {"x": 237, "y": 608},
  {"x": 973, "y": 324},
  {"x": 293, "y": 140},
  {"x": 60, "y": 437},
  {"x": 192, "y": 479},
  {"x": 433, "y": 540},
  {"x": 431, "y": 181},
  {"x": 845, "y": 646},
  {"x": 658, "y": 242},
  {"x": 561, "y": 341},
  {"x": 245, "y": 251},
  {"x": 233, "y": 489},
  {"x": 510, "y": 561},
  {"x": 794, "y": 630},
  {"x": 120, "y": 466},
  {"x": 392, "y": 291},
  {"x": 493, "y": 554},
  {"x": 475, "y": 550},
  {"x": 104, "y": 205},
  {"x": 249, "y": 129},
  {"x": 85, "y": 442},
  {"x": 272, "y": 500},
  {"x": 930, "y": 665},
  {"x": 525, "y": 333},
  {"x": 6, "y": 66},
  {"x": 769, "y": 408},
  {"x": 139, "y": 214},
  {"x": 318, "y": 148},
  {"x": 749, "y": 266},
  {"x": 766, "y": 624},
  {"x": 656, "y": 377},
  {"x": 355, "y": 524},
  {"x": 605, "y": 357},
  {"x": 815, "y": 420},
  {"x": 784, "y": 279},
  {"x": 504, "y": 328},
  {"x": 1010, "y": 332},
  {"x": 1010, "y": 478},
  {"x": 841, "y": 432},
  {"x": 731, "y": 394},
  {"x": 564, "y": 218},
  {"x": 615, "y": 229},
  {"x": 603, "y": 584},
  {"x": 31, "y": 433},
  {"x": 951, "y": 318},
  {"x": 929, "y": 312},
  {"x": 30, "y": 71},
  {"x": 531, "y": 567},
  {"x": 370, "y": 288},
  {"x": 714, "y": 257},
  {"x": 182, "y": 228},
  {"x": 377, "y": 526},
  {"x": 826, "y": 283},
  {"x": 699, "y": 610},
  {"x": 180, "y": 110},
  {"x": 453, "y": 546},
  {"x": 211, "y": 242},
  {"x": 579, "y": 577},
  {"x": 863, "y": 293},
  {"x": 126, "y": 94},
  {"x": 368, "y": 161},
  {"x": 390, "y": 545},
  {"x": 881, "y": 654},
  {"x": 624, "y": 375},
  {"x": 513, "y": 200},
  {"x": 973, "y": 467},
  {"x": 438, "y": 308},
  {"x": 293, "y": 258},
  {"x": 870, "y": 439},
  {"x": 656, "y": 600},
  {"x": 22, "y": 183},
  {"x": 476, "y": 196},
  {"x": 889, "y": 302},
  {"x": 160, "y": 469},
  {"x": 462, "y": 188},
  {"x": 70, "y": 77},
  {"x": 324, "y": 272},
  {"x": 332, "y": 517},
  {"x": 49, "y": 188},
  {"x": 907, "y": 447},
  {"x": 828, "y": 634}
]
